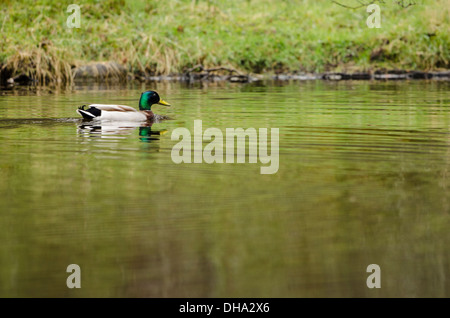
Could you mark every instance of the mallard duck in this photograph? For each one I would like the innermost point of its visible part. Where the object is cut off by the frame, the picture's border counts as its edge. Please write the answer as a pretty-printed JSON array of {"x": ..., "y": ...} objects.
[{"x": 124, "y": 113}]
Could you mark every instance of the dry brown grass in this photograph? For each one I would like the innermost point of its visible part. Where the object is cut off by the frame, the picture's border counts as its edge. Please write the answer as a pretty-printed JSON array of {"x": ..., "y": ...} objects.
[{"x": 42, "y": 64}]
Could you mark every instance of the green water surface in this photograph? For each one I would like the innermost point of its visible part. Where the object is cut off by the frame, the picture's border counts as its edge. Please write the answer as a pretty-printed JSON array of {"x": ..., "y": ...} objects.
[{"x": 364, "y": 178}]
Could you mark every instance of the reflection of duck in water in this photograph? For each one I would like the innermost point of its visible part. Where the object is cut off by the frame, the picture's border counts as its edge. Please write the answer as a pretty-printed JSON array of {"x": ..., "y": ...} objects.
[
  {"x": 146, "y": 134},
  {"x": 125, "y": 113}
]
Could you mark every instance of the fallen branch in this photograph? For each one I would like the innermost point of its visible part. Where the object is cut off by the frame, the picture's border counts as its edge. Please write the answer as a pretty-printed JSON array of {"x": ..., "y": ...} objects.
[
  {"x": 201, "y": 68},
  {"x": 200, "y": 72},
  {"x": 401, "y": 3}
]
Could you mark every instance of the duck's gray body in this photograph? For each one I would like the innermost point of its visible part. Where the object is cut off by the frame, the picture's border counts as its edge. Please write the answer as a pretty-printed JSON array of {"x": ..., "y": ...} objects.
[{"x": 114, "y": 113}]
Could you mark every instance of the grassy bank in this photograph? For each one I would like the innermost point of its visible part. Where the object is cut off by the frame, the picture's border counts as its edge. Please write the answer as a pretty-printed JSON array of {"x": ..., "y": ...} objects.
[{"x": 166, "y": 37}]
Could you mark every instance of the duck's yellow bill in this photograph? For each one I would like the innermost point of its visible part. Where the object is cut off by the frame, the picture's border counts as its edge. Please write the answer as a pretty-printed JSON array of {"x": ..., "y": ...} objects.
[{"x": 162, "y": 102}]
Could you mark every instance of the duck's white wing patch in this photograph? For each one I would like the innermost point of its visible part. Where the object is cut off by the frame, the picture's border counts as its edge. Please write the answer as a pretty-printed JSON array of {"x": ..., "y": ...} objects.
[{"x": 114, "y": 108}]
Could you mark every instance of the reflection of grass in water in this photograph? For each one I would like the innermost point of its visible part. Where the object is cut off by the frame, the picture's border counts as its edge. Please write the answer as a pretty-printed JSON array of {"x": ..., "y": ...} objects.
[{"x": 163, "y": 37}]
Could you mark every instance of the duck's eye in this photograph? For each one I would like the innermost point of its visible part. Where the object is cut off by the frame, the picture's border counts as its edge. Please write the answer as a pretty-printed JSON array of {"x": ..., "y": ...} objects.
[{"x": 155, "y": 98}]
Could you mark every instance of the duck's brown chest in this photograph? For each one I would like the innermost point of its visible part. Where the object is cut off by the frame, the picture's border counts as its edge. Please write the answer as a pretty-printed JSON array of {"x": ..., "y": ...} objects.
[{"x": 149, "y": 114}]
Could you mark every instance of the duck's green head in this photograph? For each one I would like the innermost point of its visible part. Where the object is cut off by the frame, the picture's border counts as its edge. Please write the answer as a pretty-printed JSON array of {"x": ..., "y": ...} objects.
[{"x": 150, "y": 98}]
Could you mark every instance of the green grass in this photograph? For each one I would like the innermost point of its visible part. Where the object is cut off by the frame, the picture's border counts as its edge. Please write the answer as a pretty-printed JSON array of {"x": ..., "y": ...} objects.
[{"x": 258, "y": 36}]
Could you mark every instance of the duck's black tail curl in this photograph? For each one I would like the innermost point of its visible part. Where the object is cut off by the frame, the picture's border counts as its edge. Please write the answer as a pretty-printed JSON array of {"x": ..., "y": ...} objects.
[{"x": 89, "y": 113}]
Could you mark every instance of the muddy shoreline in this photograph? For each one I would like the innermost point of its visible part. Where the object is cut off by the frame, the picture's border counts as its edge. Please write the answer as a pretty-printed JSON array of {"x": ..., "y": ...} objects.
[
  {"x": 331, "y": 76},
  {"x": 114, "y": 72}
]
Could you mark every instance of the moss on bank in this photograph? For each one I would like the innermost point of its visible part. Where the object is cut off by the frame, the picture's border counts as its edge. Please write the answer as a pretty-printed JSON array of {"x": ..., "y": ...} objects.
[{"x": 258, "y": 36}]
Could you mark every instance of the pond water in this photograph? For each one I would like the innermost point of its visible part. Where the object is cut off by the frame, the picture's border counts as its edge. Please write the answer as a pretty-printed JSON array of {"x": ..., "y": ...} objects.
[{"x": 363, "y": 178}]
